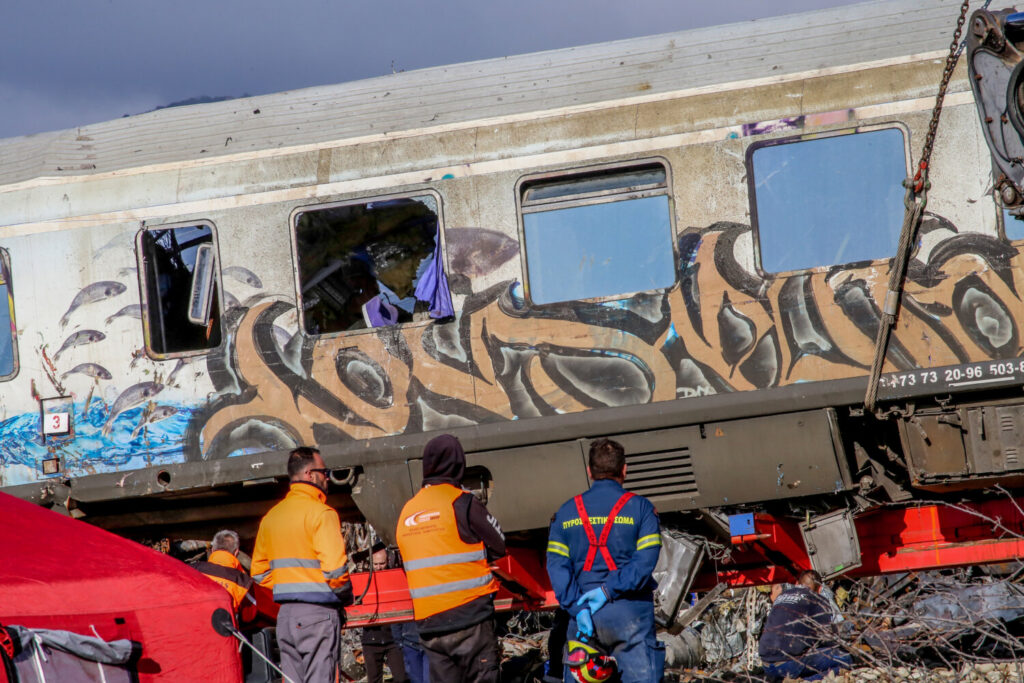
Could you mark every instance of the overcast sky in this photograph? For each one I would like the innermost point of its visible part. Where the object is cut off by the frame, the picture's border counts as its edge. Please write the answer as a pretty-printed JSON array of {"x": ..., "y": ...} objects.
[{"x": 65, "y": 63}]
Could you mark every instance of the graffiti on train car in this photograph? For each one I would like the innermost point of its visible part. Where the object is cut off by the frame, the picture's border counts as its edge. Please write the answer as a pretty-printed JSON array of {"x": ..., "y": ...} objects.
[{"x": 724, "y": 328}]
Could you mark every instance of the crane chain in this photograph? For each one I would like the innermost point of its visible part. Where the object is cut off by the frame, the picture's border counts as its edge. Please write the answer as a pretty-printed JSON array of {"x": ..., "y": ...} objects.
[{"x": 915, "y": 200}]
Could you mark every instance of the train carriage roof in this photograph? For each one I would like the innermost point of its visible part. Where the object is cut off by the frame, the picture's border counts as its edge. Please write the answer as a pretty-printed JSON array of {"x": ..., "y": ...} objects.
[{"x": 450, "y": 96}]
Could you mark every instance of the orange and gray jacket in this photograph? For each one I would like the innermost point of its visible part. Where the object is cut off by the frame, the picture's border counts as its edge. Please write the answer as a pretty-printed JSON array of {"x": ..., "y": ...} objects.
[
  {"x": 300, "y": 551},
  {"x": 224, "y": 568}
]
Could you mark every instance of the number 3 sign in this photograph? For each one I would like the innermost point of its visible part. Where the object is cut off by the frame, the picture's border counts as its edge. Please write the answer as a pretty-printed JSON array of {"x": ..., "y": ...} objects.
[{"x": 56, "y": 423}]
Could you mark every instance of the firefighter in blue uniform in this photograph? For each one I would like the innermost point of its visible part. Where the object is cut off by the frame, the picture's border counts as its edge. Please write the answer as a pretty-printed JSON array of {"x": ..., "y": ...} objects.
[{"x": 602, "y": 548}]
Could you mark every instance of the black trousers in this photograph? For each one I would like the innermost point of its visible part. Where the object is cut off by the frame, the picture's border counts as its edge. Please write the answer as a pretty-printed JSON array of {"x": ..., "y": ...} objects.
[
  {"x": 374, "y": 656},
  {"x": 469, "y": 655}
]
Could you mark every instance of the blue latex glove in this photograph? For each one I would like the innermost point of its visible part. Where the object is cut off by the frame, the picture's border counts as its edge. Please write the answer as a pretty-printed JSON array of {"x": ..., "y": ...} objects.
[
  {"x": 585, "y": 623},
  {"x": 594, "y": 599}
]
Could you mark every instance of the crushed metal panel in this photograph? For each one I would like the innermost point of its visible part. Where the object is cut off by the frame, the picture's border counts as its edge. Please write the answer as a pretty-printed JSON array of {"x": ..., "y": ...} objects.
[
  {"x": 680, "y": 560},
  {"x": 832, "y": 543},
  {"x": 967, "y": 447},
  {"x": 934, "y": 445}
]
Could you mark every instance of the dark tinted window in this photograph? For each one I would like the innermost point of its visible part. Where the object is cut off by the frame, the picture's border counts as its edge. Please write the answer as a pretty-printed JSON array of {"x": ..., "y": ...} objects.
[
  {"x": 174, "y": 289},
  {"x": 598, "y": 234},
  {"x": 362, "y": 265},
  {"x": 829, "y": 200},
  {"x": 8, "y": 331}
]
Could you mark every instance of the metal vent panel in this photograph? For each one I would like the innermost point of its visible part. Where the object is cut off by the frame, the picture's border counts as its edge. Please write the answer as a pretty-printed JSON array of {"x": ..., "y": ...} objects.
[{"x": 661, "y": 473}]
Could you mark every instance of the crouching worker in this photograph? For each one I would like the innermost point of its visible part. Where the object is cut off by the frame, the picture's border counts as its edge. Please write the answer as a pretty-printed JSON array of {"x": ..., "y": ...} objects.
[
  {"x": 602, "y": 548},
  {"x": 799, "y": 638},
  {"x": 447, "y": 539}
]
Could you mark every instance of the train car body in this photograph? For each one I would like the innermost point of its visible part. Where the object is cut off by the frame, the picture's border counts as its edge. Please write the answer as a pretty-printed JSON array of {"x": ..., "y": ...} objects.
[{"x": 682, "y": 242}]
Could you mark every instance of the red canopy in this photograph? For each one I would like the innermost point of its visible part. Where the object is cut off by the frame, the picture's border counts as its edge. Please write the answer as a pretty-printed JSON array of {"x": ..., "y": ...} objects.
[{"x": 59, "y": 573}]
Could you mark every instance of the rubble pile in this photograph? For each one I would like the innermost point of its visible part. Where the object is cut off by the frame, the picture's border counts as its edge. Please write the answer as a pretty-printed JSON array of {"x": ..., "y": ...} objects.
[{"x": 930, "y": 626}]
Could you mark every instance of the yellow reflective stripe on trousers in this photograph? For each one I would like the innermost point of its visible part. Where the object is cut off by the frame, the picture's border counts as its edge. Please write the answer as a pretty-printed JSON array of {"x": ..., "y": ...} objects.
[
  {"x": 439, "y": 560},
  {"x": 450, "y": 587},
  {"x": 648, "y": 541},
  {"x": 558, "y": 548}
]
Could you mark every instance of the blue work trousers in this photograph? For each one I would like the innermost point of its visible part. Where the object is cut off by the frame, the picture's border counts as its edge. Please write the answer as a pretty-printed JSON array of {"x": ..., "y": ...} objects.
[
  {"x": 416, "y": 665},
  {"x": 626, "y": 629},
  {"x": 811, "y": 666}
]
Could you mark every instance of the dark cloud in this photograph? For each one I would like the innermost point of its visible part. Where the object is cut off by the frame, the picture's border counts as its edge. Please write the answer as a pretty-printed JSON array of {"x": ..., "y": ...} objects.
[{"x": 71, "y": 62}]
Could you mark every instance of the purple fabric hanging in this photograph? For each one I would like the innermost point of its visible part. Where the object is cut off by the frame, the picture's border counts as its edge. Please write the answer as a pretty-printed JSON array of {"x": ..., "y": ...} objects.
[
  {"x": 433, "y": 285},
  {"x": 379, "y": 312}
]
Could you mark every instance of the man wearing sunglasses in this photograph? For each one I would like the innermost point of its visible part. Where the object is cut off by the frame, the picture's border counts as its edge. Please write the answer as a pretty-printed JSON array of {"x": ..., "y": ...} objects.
[{"x": 300, "y": 553}]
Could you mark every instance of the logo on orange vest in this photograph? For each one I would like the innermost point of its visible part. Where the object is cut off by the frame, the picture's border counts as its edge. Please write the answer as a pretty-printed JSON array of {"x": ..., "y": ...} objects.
[{"x": 422, "y": 516}]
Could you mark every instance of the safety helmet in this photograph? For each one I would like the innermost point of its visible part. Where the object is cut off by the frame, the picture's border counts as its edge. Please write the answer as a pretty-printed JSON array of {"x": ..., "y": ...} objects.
[{"x": 588, "y": 662}]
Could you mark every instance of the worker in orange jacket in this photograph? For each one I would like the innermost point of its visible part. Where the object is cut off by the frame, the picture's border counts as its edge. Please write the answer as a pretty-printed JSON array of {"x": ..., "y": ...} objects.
[
  {"x": 447, "y": 539},
  {"x": 224, "y": 568},
  {"x": 300, "y": 553}
]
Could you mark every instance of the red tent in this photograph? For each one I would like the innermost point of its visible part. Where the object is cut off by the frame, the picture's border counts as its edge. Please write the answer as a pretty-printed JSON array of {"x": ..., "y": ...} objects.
[{"x": 59, "y": 573}]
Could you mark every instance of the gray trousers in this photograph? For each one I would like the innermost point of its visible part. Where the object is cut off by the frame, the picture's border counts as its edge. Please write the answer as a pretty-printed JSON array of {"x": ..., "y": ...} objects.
[{"x": 309, "y": 636}]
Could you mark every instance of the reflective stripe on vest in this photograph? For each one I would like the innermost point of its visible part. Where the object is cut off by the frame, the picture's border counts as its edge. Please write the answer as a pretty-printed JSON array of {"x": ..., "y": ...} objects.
[
  {"x": 439, "y": 560},
  {"x": 443, "y": 571},
  {"x": 294, "y": 562},
  {"x": 600, "y": 543},
  {"x": 452, "y": 587},
  {"x": 304, "y": 591}
]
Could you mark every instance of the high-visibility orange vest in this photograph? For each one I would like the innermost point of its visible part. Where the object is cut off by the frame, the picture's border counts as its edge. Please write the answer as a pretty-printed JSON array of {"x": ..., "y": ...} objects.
[
  {"x": 300, "y": 551},
  {"x": 237, "y": 586},
  {"x": 224, "y": 568},
  {"x": 443, "y": 571}
]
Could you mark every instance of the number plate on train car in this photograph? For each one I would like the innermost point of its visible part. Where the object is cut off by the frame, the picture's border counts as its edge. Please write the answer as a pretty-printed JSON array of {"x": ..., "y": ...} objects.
[{"x": 966, "y": 377}]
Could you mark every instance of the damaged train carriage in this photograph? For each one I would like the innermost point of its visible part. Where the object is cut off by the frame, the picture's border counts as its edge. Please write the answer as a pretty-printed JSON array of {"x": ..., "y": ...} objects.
[{"x": 682, "y": 242}]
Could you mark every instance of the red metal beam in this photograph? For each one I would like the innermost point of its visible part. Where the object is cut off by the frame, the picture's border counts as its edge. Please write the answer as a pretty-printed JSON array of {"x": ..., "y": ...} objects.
[
  {"x": 927, "y": 536},
  {"x": 933, "y": 536}
]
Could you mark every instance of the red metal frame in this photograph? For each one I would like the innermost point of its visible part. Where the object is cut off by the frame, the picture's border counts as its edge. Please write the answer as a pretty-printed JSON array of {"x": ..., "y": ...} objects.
[{"x": 927, "y": 536}]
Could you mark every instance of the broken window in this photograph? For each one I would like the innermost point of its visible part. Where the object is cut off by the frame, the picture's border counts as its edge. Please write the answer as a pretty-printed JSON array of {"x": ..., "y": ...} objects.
[
  {"x": 599, "y": 233},
  {"x": 370, "y": 264},
  {"x": 832, "y": 200},
  {"x": 8, "y": 331},
  {"x": 181, "y": 289}
]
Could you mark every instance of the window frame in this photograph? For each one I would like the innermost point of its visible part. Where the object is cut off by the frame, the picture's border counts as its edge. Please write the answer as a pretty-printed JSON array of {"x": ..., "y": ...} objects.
[
  {"x": 293, "y": 226},
  {"x": 5, "y": 267},
  {"x": 748, "y": 164},
  {"x": 594, "y": 199},
  {"x": 144, "y": 295}
]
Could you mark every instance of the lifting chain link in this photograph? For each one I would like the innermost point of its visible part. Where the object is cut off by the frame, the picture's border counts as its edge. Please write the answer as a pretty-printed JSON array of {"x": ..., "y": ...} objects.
[{"x": 915, "y": 200}]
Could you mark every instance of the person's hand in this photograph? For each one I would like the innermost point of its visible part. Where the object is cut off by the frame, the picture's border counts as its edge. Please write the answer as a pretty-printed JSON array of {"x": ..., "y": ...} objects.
[
  {"x": 585, "y": 623},
  {"x": 593, "y": 599}
]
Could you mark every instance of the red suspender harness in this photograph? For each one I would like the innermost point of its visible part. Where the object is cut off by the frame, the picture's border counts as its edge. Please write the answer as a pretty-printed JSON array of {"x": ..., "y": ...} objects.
[{"x": 600, "y": 543}]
